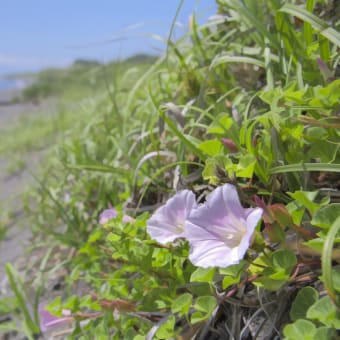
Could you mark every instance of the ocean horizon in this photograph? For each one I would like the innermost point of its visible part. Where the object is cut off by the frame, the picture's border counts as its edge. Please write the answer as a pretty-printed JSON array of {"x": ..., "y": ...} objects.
[{"x": 9, "y": 84}]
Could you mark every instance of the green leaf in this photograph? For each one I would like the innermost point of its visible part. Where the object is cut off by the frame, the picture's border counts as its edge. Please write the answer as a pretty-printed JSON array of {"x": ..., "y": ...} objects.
[
  {"x": 245, "y": 167},
  {"x": 336, "y": 279},
  {"x": 271, "y": 284},
  {"x": 325, "y": 312},
  {"x": 296, "y": 211},
  {"x": 211, "y": 147},
  {"x": 306, "y": 198},
  {"x": 166, "y": 330},
  {"x": 258, "y": 265},
  {"x": 229, "y": 281},
  {"x": 221, "y": 125},
  {"x": 325, "y": 333},
  {"x": 182, "y": 304},
  {"x": 160, "y": 257},
  {"x": 301, "y": 329},
  {"x": 233, "y": 273},
  {"x": 8, "y": 305},
  {"x": 197, "y": 317},
  {"x": 8, "y": 326},
  {"x": 210, "y": 171},
  {"x": 271, "y": 96},
  {"x": 139, "y": 337},
  {"x": 327, "y": 97},
  {"x": 212, "y": 168},
  {"x": 205, "y": 304},
  {"x": 202, "y": 275},
  {"x": 316, "y": 244},
  {"x": 71, "y": 303},
  {"x": 305, "y": 298},
  {"x": 95, "y": 236},
  {"x": 326, "y": 216},
  {"x": 279, "y": 275},
  {"x": 284, "y": 259}
]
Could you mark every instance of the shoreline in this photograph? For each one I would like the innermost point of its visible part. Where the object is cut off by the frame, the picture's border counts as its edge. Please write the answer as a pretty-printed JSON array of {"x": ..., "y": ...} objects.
[{"x": 8, "y": 95}]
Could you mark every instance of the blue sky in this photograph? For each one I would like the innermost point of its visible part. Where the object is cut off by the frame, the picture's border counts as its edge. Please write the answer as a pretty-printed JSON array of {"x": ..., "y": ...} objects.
[{"x": 39, "y": 33}]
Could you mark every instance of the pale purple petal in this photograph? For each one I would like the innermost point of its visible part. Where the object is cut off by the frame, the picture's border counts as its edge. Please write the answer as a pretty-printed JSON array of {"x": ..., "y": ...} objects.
[
  {"x": 220, "y": 230},
  {"x": 167, "y": 223},
  {"x": 111, "y": 213},
  {"x": 222, "y": 214},
  {"x": 107, "y": 215},
  {"x": 47, "y": 320},
  {"x": 127, "y": 219},
  {"x": 212, "y": 253}
]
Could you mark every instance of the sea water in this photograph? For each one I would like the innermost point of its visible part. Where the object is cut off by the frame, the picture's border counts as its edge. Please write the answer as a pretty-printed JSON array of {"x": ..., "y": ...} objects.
[{"x": 8, "y": 84}]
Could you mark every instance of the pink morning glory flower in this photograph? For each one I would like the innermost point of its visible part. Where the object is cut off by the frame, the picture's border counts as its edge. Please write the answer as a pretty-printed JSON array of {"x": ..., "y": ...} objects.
[
  {"x": 47, "y": 320},
  {"x": 220, "y": 230},
  {"x": 111, "y": 213},
  {"x": 168, "y": 221}
]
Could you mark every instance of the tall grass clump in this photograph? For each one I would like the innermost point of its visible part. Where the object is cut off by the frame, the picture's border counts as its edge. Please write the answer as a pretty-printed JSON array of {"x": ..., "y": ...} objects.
[{"x": 249, "y": 99}]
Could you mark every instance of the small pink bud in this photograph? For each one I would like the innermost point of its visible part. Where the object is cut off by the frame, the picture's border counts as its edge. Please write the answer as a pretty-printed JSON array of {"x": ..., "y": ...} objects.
[
  {"x": 325, "y": 71},
  {"x": 229, "y": 144}
]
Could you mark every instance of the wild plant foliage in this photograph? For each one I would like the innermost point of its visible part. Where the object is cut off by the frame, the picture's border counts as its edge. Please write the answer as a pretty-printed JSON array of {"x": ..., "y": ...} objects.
[{"x": 218, "y": 169}]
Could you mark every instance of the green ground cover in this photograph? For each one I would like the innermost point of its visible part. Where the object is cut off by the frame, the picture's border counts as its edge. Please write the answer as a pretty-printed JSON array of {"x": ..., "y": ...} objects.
[
  {"x": 76, "y": 92},
  {"x": 251, "y": 98}
]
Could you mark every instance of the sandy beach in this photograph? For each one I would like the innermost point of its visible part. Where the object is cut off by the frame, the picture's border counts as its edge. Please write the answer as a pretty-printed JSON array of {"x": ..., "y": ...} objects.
[{"x": 13, "y": 185}]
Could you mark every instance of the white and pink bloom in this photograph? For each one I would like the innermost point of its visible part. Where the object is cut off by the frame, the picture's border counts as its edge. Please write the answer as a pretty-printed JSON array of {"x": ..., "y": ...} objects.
[
  {"x": 219, "y": 231},
  {"x": 168, "y": 221}
]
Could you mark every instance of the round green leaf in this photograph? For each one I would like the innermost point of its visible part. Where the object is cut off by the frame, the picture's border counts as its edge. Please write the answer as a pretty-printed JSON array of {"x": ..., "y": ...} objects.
[
  {"x": 205, "y": 304},
  {"x": 182, "y": 304},
  {"x": 326, "y": 216},
  {"x": 324, "y": 311},
  {"x": 284, "y": 259},
  {"x": 301, "y": 329},
  {"x": 202, "y": 275},
  {"x": 324, "y": 333},
  {"x": 305, "y": 298}
]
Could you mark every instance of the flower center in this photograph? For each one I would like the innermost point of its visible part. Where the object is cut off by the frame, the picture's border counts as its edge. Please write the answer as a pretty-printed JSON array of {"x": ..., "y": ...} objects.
[
  {"x": 179, "y": 228},
  {"x": 234, "y": 232}
]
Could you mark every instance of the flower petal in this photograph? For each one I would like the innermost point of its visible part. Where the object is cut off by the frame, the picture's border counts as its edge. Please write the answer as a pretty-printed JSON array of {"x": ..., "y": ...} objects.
[
  {"x": 111, "y": 213},
  {"x": 220, "y": 217},
  {"x": 167, "y": 223},
  {"x": 47, "y": 320},
  {"x": 220, "y": 230},
  {"x": 107, "y": 214},
  {"x": 212, "y": 253}
]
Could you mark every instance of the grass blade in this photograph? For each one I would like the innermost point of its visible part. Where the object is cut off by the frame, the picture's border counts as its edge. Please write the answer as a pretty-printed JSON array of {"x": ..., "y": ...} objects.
[
  {"x": 223, "y": 59},
  {"x": 327, "y": 258},
  {"x": 307, "y": 28},
  {"x": 306, "y": 167},
  {"x": 318, "y": 24},
  {"x": 97, "y": 167},
  {"x": 10, "y": 271},
  {"x": 177, "y": 132}
]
